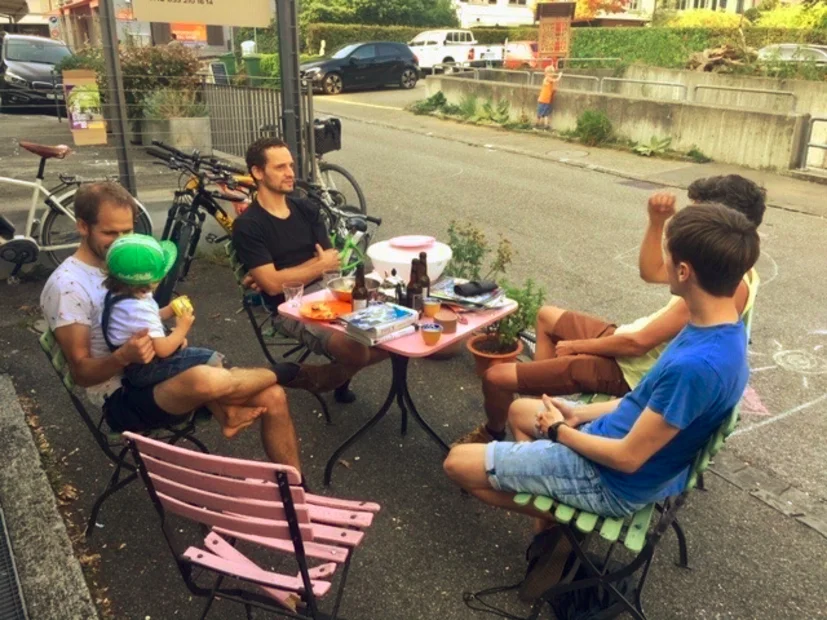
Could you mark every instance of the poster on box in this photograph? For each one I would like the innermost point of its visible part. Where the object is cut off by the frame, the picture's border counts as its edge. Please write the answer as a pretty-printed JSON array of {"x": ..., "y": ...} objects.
[
  {"x": 83, "y": 107},
  {"x": 253, "y": 13}
]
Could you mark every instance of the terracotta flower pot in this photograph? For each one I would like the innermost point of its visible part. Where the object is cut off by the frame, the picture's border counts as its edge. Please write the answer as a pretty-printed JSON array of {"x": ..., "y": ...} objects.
[{"x": 485, "y": 360}]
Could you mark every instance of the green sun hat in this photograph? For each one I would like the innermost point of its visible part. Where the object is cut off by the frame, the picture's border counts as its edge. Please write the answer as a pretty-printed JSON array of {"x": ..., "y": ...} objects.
[{"x": 140, "y": 260}]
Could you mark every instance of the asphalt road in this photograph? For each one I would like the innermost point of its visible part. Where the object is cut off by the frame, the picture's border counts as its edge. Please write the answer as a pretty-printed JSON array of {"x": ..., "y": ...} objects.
[{"x": 576, "y": 233}]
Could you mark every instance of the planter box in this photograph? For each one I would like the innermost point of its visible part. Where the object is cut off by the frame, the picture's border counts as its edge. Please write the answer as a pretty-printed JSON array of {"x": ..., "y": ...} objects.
[{"x": 185, "y": 134}]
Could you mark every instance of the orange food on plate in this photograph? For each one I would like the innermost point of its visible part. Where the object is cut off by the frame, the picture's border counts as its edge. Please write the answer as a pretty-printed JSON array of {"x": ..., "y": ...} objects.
[{"x": 325, "y": 310}]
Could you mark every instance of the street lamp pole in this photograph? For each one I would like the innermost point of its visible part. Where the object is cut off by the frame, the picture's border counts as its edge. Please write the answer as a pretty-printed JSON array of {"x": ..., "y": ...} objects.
[
  {"x": 116, "y": 96},
  {"x": 288, "y": 30}
]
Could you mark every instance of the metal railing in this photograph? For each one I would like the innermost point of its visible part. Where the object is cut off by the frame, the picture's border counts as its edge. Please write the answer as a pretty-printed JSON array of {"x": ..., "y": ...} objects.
[
  {"x": 808, "y": 141},
  {"x": 763, "y": 91},
  {"x": 239, "y": 115},
  {"x": 644, "y": 82}
]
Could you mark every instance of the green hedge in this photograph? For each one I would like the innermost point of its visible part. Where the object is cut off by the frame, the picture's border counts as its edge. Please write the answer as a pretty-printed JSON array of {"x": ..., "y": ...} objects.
[{"x": 665, "y": 47}]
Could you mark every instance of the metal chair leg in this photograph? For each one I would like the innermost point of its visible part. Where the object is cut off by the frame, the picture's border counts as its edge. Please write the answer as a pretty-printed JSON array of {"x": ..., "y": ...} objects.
[
  {"x": 683, "y": 561},
  {"x": 323, "y": 404},
  {"x": 111, "y": 489}
]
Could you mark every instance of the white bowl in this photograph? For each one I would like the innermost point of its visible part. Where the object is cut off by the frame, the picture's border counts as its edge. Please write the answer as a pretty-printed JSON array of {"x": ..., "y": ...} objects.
[{"x": 385, "y": 258}]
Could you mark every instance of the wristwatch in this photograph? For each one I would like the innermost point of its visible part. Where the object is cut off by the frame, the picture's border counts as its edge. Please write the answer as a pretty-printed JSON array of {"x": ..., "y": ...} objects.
[{"x": 552, "y": 430}]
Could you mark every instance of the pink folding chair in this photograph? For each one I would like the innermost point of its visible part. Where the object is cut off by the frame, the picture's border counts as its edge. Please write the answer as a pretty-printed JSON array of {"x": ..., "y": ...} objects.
[{"x": 259, "y": 504}]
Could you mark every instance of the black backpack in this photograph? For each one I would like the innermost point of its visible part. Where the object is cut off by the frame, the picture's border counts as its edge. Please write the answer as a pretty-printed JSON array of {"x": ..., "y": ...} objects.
[{"x": 593, "y": 603}]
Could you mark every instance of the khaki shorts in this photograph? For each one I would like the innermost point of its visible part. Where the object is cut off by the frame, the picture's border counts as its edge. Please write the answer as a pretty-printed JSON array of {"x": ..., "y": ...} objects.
[
  {"x": 575, "y": 373},
  {"x": 316, "y": 339}
]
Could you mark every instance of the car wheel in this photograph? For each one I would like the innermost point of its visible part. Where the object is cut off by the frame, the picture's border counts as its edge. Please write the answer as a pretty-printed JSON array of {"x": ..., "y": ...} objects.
[
  {"x": 408, "y": 79},
  {"x": 332, "y": 84}
]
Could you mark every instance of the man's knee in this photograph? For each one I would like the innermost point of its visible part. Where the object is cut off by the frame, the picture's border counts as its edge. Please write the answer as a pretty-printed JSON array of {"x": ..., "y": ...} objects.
[
  {"x": 348, "y": 351},
  {"x": 275, "y": 399},
  {"x": 548, "y": 316},
  {"x": 523, "y": 412},
  {"x": 206, "y": 383},
  {"x": 500, "y": 377},
  {"x": 452, "y": 464}
]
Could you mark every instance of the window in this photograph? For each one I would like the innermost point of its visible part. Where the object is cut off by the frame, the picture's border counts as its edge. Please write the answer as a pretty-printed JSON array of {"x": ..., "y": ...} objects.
[
  {"x": 517, "y": 2},
  {"x": 45, "y": 53},
  {"x": 634, "y": 5},
  {"x": 366, "y": 52},
  {"x": 215, "y": 35},
  {"x": 388, "y": 51}
]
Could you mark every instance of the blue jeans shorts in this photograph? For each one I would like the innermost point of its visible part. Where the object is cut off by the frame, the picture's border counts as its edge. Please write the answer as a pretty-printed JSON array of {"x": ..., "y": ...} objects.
[
  {"x": 543, "y": 110},
  {"x": 543, "y": 467},
  {"x": 159, "y": 370}
]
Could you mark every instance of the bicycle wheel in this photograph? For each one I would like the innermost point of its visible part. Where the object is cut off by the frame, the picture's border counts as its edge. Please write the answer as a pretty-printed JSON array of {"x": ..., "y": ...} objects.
[
  {"x": 181, "y": 236},
  {"x": 60, "y": 230},
  {"x": 341, "y": 183}
]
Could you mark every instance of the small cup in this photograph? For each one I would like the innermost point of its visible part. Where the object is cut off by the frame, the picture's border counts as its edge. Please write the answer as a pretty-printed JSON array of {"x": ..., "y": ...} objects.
[
  {"x": 448, "y": 320},
  {"x": 293, "y": 292},
  {"x": 431, "y": 306},
  {"x": 431, "y": 333}
]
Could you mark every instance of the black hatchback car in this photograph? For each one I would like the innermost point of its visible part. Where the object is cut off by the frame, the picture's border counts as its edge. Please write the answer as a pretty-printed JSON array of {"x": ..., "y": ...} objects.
[{"x": 363, "y": 65}]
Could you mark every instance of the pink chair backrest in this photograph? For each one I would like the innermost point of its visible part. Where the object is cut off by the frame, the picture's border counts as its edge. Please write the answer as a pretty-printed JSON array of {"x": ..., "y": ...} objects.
[{"x": 224, "y": 492}]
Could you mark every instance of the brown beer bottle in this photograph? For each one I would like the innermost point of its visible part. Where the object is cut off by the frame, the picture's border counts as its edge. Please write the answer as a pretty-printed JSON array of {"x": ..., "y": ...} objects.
[
  {"x": 424, "y": 280},
  {"x": 414, "y": 290},
  {"x": 360, "y": 290}
]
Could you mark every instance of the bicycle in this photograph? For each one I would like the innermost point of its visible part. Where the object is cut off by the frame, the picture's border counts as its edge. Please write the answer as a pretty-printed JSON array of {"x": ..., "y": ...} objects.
[
  {"x": 190, "y": 207},
  {"x": 58, "y": 237},
  {"x": 347, "y": 227}
]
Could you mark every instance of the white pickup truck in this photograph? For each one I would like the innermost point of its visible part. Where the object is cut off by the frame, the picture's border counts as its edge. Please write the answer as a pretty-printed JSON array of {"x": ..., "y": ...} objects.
[{"x": 434, "y": 47}]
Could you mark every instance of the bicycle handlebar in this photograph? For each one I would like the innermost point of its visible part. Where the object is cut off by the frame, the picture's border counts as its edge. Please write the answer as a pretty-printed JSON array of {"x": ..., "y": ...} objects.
[
  {"x": 372, "y": 220},
  {"x": 158, "y": 153},
  {"x": 171, "y": 149}
]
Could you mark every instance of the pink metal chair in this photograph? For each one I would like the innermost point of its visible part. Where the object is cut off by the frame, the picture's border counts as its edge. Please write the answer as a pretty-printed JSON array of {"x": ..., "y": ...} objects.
[{"x": 255, "y": 503}]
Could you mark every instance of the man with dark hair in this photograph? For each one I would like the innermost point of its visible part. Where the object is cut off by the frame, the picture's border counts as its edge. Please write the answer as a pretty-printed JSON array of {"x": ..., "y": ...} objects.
[
  {"x": 577, "y": 352},
  {"x": 281, "y": 239},
  {"x": 72, "y": 302},
  {"x": 614, "y": 458}
]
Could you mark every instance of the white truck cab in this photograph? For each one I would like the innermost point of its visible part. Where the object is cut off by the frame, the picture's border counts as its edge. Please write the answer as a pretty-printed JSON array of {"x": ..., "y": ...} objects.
[{"x": 435, "y": 47}]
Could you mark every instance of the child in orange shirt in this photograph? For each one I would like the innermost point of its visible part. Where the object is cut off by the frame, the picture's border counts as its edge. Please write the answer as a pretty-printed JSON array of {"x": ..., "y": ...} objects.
[{"x": 544, "y": 101}]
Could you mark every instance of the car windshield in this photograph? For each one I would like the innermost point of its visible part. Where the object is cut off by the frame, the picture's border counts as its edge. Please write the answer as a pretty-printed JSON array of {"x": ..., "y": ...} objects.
[
  {"x": 44, "y": 52},
  {"x": 344, "y": 51}
]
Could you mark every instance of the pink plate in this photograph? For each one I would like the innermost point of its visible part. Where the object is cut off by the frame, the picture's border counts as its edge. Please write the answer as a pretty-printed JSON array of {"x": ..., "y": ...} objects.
[{"x": 412, "y": 241}]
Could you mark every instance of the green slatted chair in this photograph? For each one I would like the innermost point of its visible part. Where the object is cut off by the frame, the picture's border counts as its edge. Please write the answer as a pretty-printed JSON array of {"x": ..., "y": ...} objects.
[
  {"x": 640, "y": 533},
  {"x": 111, "y": 443},
  {"x": 259, "y": 316}
]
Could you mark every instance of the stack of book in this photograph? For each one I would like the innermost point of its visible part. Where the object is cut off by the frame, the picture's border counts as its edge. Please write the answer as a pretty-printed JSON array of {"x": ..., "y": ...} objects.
[
  {"x": 444, "y": 291},
  {"x": 379, "y": 323}
]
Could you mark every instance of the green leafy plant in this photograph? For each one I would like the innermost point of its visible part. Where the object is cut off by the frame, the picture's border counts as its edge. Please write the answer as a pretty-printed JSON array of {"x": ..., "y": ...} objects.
[
  {"x": 468, "y": 106},
  {"x": 169, "y": 103},
  {"x": 530, "y": 298},
  {"x": 434, "y": 103},
  {"x": 655, "y": 146},
  {"x": 593, "y": 128},
  {"x": 698, "y": 156},
  {"x": 490, "y": 112},
  {"x": 470, "y": 249}
]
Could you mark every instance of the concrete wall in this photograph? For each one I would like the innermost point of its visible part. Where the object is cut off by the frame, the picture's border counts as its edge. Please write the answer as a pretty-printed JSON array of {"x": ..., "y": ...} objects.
[
  {"x": 811, "y": 96},
  {"x": 752, "y": 138}
]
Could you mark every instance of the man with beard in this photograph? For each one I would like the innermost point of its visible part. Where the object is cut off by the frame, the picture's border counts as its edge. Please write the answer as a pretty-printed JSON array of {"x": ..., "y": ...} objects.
[
  {"x": 72, "y": 303},
  {"x": 281, "y": 239}
]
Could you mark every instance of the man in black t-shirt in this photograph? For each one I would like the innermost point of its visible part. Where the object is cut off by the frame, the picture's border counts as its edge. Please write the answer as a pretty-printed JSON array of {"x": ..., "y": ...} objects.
[{"x": 282, "y": 239}]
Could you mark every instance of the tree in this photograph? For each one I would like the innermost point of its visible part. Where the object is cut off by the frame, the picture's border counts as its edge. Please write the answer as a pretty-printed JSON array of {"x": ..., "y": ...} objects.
[{"x": 588, "y": 9}]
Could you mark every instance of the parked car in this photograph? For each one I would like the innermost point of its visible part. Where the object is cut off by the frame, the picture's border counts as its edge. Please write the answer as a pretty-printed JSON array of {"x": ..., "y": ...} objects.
[
  {"x": 26, "y": 70},
  {"x": 794, "y": 52},
  {"x": 434, "y": 47},
  {"x": 524, "y": 55},
  {"x": 363, "y": 65}
]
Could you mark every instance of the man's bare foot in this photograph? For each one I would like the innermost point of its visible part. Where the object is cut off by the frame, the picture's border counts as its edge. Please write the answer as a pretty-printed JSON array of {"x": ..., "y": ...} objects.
[{"x": 237, "y": 418}]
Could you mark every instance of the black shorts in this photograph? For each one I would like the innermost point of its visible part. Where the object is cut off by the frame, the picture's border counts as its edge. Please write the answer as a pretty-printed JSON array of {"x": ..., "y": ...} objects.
[{"x": 134, "y": 409}]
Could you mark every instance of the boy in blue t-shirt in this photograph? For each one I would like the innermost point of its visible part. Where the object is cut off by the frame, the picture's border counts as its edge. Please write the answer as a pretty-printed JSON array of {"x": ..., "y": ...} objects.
[{"x": 614, "y": 458}]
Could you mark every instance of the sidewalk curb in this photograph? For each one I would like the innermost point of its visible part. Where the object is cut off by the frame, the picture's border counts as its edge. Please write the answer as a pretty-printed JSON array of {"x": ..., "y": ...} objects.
[
  {"x": 50, "y": 574},
  {"x": 559, "y": 160}
]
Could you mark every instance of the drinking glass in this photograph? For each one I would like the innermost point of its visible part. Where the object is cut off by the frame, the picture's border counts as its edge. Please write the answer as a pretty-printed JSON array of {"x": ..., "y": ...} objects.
[
  {"x": 330, "y": 275},
  {"x": 293, "y": 292}
]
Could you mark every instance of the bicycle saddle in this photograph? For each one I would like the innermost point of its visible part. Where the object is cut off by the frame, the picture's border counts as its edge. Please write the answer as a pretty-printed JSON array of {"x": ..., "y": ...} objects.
[
  {"x": 47, "y": 152},
  {"x": 357, "y": 224}
]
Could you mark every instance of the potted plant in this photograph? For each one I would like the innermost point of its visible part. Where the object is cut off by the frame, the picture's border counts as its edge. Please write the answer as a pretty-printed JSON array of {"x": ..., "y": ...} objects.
[
  {"x": 470, "y": 248},
  {"x": 501, "y": 342},
  {"x": 176, "y": 117}
]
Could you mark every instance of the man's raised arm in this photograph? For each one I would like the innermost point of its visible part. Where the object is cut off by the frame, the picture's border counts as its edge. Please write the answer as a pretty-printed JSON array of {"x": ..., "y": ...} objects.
[
  {"x": 271, "y": 281},
  {"x": 650, "y": 262}
]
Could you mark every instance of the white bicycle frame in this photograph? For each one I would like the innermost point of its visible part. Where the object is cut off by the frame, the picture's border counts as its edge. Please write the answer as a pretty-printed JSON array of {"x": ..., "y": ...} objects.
[{"x": 57, "y": 201}]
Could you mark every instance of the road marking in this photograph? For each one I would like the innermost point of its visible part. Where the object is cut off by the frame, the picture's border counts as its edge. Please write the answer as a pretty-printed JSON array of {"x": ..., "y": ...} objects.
[
  {"x": 364, "y": 105},
  {"x": 781, "y": 416}
]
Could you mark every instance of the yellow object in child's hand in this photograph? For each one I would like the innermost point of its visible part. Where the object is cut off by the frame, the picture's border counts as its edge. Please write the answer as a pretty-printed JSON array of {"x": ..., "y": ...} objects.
[{"x": 181, "y": 305}]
